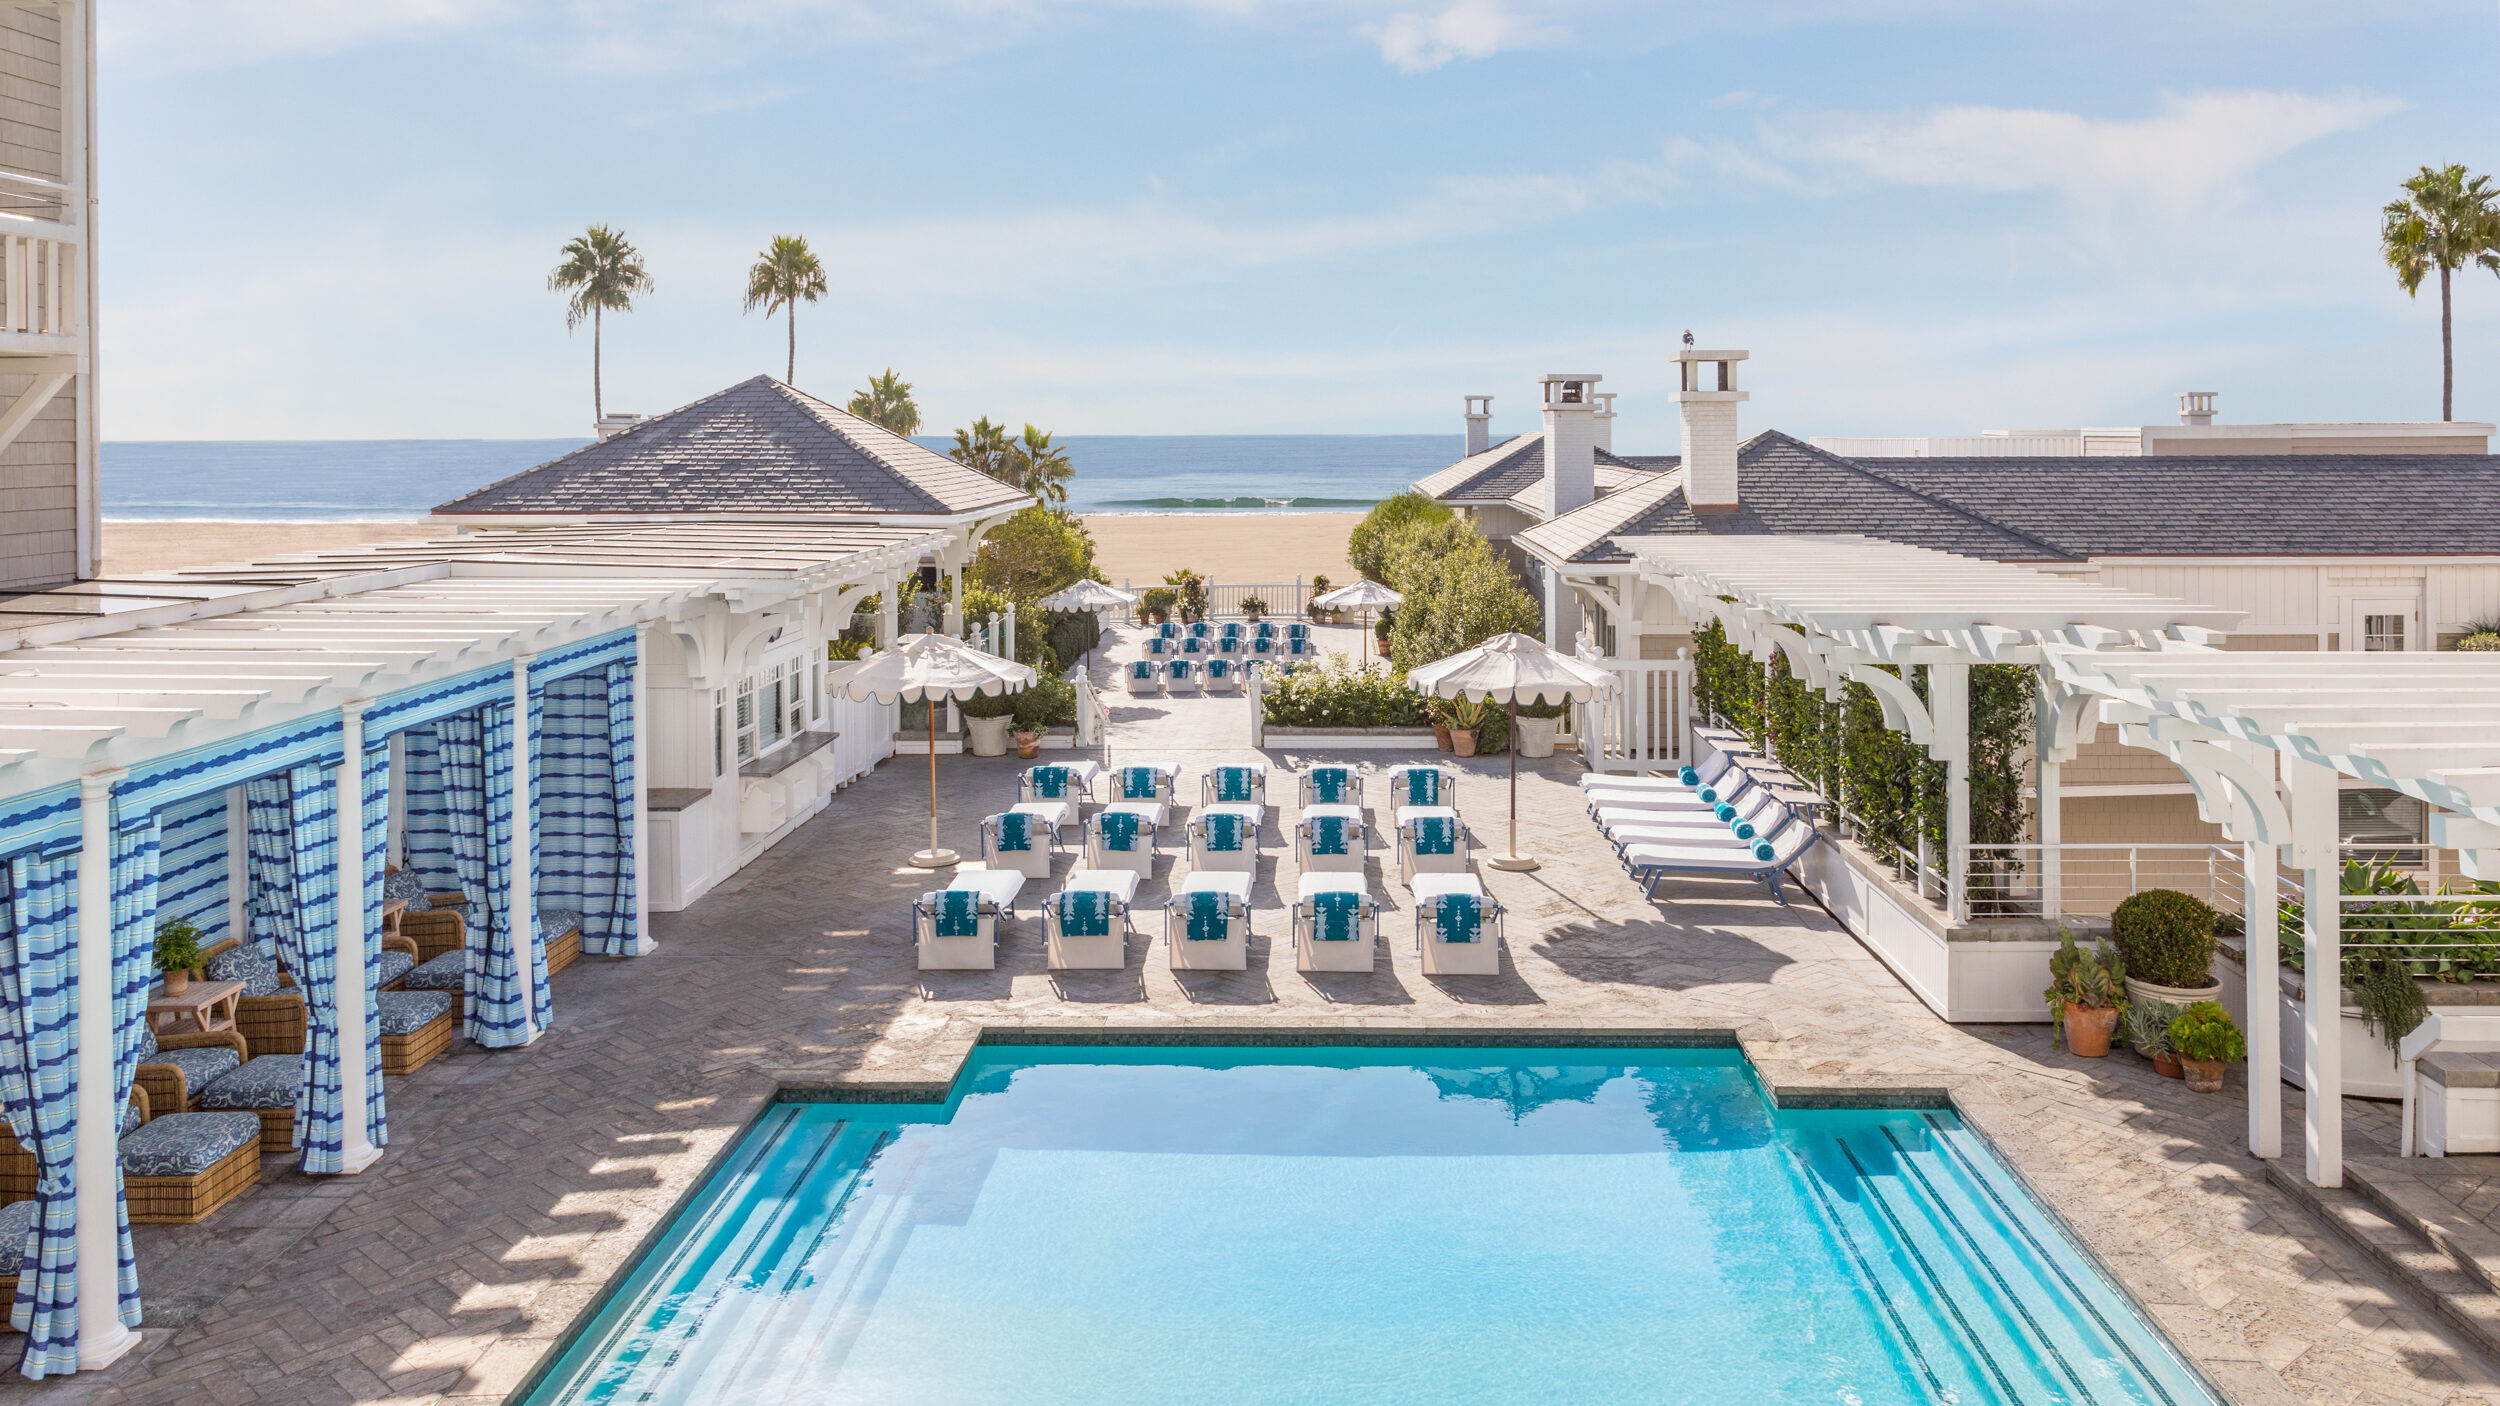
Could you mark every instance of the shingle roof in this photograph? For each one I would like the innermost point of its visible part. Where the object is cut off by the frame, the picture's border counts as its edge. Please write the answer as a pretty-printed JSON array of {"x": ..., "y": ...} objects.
[
  {"x": 1492, "y": 476},
  {"x": 757, "y": 447},
  {"x": 2197, "y": 505},
  {"x": 1784, "y": 486},
  {"x": 1614, "y": 474}
]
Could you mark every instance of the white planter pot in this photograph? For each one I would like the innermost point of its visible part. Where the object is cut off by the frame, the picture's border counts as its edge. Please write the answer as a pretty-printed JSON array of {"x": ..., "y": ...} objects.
[
  {"x": 1537, "y": 736},
  {"x": 989, "y": 735},
  {"x": 2180, "y": 996}
]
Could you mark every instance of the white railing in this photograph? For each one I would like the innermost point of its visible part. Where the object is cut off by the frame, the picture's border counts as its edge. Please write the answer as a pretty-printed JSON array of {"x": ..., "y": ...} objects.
[
  {"x": 1645, "y": 722},
  {"x": 2088, "y": 880},
  {"x": 39, "y": 291}
]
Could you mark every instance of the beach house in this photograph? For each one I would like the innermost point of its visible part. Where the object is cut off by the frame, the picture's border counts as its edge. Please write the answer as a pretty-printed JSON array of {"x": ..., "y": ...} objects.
[{"x": 49, "y": 494}]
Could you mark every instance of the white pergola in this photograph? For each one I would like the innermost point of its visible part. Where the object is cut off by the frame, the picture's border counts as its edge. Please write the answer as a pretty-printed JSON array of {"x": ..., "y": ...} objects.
[
  {"x": 1850, "y": 609},
  {"x": 2263, "y": 737}
]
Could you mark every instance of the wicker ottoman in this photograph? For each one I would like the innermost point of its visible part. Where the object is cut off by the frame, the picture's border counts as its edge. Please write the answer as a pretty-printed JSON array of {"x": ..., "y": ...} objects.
[
  {"x": 416, "y": 1027},
  {"x": 562, "y": 928},
  {"x": 179, "y": 1168},
  {"x": 266, "y": 1086},
  {"x": 16, "y": 1218}
]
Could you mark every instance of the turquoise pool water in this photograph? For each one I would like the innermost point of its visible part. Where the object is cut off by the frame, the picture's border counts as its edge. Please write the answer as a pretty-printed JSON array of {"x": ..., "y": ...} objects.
[{"x": 1108, "y": 1226}]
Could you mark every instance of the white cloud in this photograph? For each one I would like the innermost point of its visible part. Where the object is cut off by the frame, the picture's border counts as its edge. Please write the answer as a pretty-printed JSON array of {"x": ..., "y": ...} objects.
[
  {"x": 1417, "y": 41},
  {"x": 2194, "y": 149},
  {"x": 203, "y": 34}
]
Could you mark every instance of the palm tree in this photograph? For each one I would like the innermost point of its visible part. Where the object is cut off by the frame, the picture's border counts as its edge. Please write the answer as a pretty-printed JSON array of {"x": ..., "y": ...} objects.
[
  {"x": 1039, "y": 467},
  {"x": 2446, "y": 221},
  {"x": 603, "y": 273},
  {"x": 888, "y": 402},
  {"x": 983, "y": 447},
  {"x": 785, "y": 275}
]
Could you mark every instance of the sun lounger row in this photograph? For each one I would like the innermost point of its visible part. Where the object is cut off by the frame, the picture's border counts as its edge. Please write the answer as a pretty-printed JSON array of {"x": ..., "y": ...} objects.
[{"x": 1718, "y": 818}]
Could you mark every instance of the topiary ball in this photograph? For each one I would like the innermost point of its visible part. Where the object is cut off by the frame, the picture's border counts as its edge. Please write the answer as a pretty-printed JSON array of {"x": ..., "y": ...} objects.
[{"x": 2166, "y": 936}]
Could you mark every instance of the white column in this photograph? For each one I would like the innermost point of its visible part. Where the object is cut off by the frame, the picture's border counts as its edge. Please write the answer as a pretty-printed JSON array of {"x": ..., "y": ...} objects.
[
  {"x": 521, "y": 902},
  {"x": 397, "y": 845},
  {"x": 355, "y": 1137},
  {"x": 96, "y": 1159},
  {"x": 2265, "y": 1001},
  {"x": 238, "y": 866},
  {"x": 2314, "y": 853},
  {"x": 954, "y": 623},
  {"x": 1010, "y": 651},
  {"x": 887, "y": 613},
  {"x": 644, "y": 944},
  {"x": 1948, "y": 701},
  {"x": 2052, "y": 810}
]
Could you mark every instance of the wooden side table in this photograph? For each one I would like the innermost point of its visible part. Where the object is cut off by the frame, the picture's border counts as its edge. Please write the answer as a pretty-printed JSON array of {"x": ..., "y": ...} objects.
[{"x": 207, "y": 1005}]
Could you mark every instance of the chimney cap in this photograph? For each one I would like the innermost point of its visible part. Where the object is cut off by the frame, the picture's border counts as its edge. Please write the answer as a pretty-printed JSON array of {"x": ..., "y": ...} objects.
[
  {"x": 1705, "y": 354},
  {"x": 2196, "y": 407}
]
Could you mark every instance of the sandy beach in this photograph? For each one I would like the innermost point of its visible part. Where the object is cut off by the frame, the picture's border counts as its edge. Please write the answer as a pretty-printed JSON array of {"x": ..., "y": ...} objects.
[{"x": 1247, "y": 548}]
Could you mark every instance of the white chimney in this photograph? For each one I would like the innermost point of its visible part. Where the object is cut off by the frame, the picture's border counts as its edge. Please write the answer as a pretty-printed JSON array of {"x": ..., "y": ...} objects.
[
  {"x": 617, "y": 422},
  {"x": 2196, "y": 407},
  {"x": 1709, "y": 428},
  {"x": 1479, "y": 424},
  {"x": 1570, "y": 442},
  {"x": 1606, "y": 421}
]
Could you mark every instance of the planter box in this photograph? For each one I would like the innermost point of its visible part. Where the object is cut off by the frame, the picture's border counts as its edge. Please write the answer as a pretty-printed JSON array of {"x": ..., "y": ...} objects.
[
  {"x": 1347, "y": 737},
  {"x": 2369, "y": 1066}
]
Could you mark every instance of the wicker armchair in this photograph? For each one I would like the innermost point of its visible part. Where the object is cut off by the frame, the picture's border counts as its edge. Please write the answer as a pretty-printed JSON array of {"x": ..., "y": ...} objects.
[
  {"x": 431, "y": 932},
  {"x": 277, "y": 1023},
  {"x": 169, "y": 1088}
]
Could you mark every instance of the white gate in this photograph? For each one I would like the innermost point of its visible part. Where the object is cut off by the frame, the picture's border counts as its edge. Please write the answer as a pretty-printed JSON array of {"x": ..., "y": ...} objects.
[{"x": 1646, "y": 723}]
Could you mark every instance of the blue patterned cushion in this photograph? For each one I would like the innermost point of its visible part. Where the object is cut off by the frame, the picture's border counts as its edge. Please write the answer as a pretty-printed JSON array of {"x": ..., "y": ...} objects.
[
  {"x": 1083, "y": 912},
  {"x": 1049, "y": 783},
  {"x": 131, "y": 1116},
  {"x": 1461, "y": 917},
  {"x": 1141, "y": 668},
  {"x": 186, "y": 1144},
  {"x": 403, "y": 884},
  {"x": 1329, "y": 784},
  {"x": 1235, "y": 783},
  {"x": 1435, "y": 834},
  {"x": 198, "y": 1067},
  {"x": 390, "y": 965},
  {"x": 1262, "y": 645},
  {"x": 407, "y": 1012},
  {"x": 1118, "y": 830},
  {"x": 1219, "y": 668},
  {"x": 1015, "y": 831},
  {"x": 556, "y": 922},
  {"x": 958, "y": 912},
  {"x": 1336, "y": 917},
  {"x": 245, "y": 964},
  {"x": 16, "y": 1218},
  {"x": 268, "y": 1081},
  {"x": 448, "y": 972},
  {"x": 1207, "y": 914},
  {"x": 1330, "y": 834},
  {"x": 1226, "y": 832}
]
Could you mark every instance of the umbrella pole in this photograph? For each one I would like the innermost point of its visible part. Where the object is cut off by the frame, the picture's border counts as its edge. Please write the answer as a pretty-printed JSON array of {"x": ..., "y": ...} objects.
[
  {"x": 1513, "y": 861},
  {"x": 933, "y": 857}
]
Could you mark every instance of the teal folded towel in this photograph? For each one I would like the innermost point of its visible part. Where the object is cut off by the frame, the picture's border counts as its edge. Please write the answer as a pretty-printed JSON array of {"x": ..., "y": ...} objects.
[
  {"x": 1206, "y": 917},
  {"x": 1015, "y": 831},
  {"x": 1330, "y": 834},
  {"x": 1337, "y": 916},
  {"x": 1235, "y": 784},
  {"x": 958, "y": 913},
  {"x": 1219, "y": 668},
  {"x": 1461, "y": 918},
  {"x": 1762, "y": 850},
  {"x": 1226, "y": 832},
  {"x": 1423, "y": 787},
  {"x": 1141, "y": 668},
  {"x": 1118, "y": 829},
  {"x": 1139, "y": 783},
  {"x": 1049, "y": 783},
  {"x": 1329, "y": 784},
  {"x": 1435, "y": 834},
  {"x": 1084, "y": 912}
]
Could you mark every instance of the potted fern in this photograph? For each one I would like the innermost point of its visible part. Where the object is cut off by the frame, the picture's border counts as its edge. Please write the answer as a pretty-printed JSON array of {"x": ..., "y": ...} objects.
[
  {"x": 2086, "y": 988},
  {"x": 2207, "y": 1040},
  {"x": 177, "y": 952},
  {"x": 1253, "y": 607}
]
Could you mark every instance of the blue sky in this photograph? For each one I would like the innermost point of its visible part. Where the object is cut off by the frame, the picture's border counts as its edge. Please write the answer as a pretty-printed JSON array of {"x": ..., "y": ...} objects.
[{"x": 334, "y": 218}]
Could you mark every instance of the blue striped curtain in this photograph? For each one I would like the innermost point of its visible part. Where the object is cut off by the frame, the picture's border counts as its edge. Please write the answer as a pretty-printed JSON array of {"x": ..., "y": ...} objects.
[
  {"x": 191, "y": 873},
  {"x": 496, "y": 1017},
  {"x": 622, "y": 936},
  {"x": 430, "y": 805},
  {"x": 38, "y": 1087},
  {"x": 377, "y": 792},
  {"x": 542, "y": 1003},
  {"x": 269, "y": 840},
  {"x": 462, "y": 755},
  {"x": 315, "y": 963},
  {"x": 136, "y": 852},
  {"x": 584, "y": 842}
]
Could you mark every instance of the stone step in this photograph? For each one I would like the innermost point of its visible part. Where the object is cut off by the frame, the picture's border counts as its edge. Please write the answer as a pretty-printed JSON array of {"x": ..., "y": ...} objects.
[
  {"x": 2462, "y": 1302},
  {"x": 2393, "y": 1186}
]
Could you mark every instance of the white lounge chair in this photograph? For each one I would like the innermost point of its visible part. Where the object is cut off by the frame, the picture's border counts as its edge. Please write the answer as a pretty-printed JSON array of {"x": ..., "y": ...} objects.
[
  {"x": 2452, "y": 1120},
  {"x": 1330, "y": 838},
  {"x": 1019, "y": 840},
  {"x": 1145, "y": 677},
  {"x": 1207, "y": 924},
  {"x": 1118, "y": 839},
  {"x": 1058, "y": 815},
  {"x": 1223, "y": 675},
  {"x": 1764, "y": 858},
  {"x": 1432, "y": 840},
  {"x": 1758, "y": 811},
  {"x": 1336, "y": 923},
  {"x": 1085, "y": 925},
  {"x": 1225, "y": 841},
  {"x": 1421, "y": 788},
  {"x": 1330, "y": 784},
  {"x": 1242, "y": 783},
  {"x": 1143, "y": 790},
  {"x": 955, "y": 930},
  {"x": 1458, "y": 930},
  {"x": 1058, "y": 781},
  {"x": 1181, "y": 676}
]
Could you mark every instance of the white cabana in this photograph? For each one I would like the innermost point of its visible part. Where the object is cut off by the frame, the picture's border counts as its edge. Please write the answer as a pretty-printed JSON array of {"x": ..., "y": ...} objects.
[
  {"x": 1511, "y": 669},
  {"x": 931, "y": 667}
]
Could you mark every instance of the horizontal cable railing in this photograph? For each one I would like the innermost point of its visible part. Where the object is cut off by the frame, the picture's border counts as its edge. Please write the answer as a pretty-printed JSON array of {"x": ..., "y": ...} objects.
[{"x": 2088, "y": 880}]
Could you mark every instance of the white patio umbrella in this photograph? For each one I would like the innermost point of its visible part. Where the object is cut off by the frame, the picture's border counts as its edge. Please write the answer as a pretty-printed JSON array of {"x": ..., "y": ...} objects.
[
  {"x": 1512, "y": 669},
  {"x": 1088, "y": 595},
  {"x": 931, "y": 667},
  {"x": 1364, "y": 596}
]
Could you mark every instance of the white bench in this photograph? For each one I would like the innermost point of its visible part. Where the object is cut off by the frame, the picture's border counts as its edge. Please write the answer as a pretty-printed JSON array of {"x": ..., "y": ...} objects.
[{"x": 2459, "y": 1111}]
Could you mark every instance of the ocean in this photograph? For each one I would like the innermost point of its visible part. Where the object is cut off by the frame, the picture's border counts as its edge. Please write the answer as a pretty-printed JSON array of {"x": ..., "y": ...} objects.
[{"x": 349, "y": 480}]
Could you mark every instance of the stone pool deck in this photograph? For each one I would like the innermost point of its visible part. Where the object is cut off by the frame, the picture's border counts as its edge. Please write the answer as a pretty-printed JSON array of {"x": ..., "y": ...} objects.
[{"x": 517, "y": 1183}]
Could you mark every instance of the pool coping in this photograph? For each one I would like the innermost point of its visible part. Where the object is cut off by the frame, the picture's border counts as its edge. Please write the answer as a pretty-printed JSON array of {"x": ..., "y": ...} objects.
[{"x": 2212, "y": 1348}]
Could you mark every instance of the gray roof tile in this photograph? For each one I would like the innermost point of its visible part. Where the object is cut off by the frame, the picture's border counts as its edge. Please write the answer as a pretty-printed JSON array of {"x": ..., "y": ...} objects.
[
  {"x": 757, "y": 447},
  {"x": 1492, "y": 476}
]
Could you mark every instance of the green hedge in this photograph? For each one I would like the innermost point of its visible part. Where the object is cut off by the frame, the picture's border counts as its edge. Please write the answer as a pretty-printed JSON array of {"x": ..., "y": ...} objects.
[{"x": 1340, "y": 695}]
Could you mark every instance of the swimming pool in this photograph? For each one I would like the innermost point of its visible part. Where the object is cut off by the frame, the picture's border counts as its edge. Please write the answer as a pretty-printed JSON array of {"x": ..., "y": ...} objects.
[{"x": 1113, "y": 1225}]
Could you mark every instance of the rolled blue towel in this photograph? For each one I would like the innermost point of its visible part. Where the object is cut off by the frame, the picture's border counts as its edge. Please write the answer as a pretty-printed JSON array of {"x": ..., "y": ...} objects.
[
  {"x": 1689, "y": 777},
  {"x": 1762, "y": 850},
  {"x": 1744, "y": 829},
  {"x": 1709, "y": 795},
  {"x": 1725, "y": 811}
]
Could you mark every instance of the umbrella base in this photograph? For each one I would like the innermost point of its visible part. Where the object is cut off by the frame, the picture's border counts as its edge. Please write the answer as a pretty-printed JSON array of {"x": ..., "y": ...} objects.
[
  {"x": 936, "y": 859},
  {"x": 1510, "y": 863}
]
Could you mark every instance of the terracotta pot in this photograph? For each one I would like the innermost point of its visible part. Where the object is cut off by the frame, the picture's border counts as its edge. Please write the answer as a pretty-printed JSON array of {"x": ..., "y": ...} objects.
[
  {"x": 1441, "y": 736},
  {"x": 1028, "y": 745},
  {"x": 1383, "y": 646},
  {"x": 2166, "y": 1064},
  {"x": 2203, "y": 1075},
  {"x": 177, "y": 981},
  {"x": 1463, "y": 741},
  {"x": 2088, "y": 1030}
]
